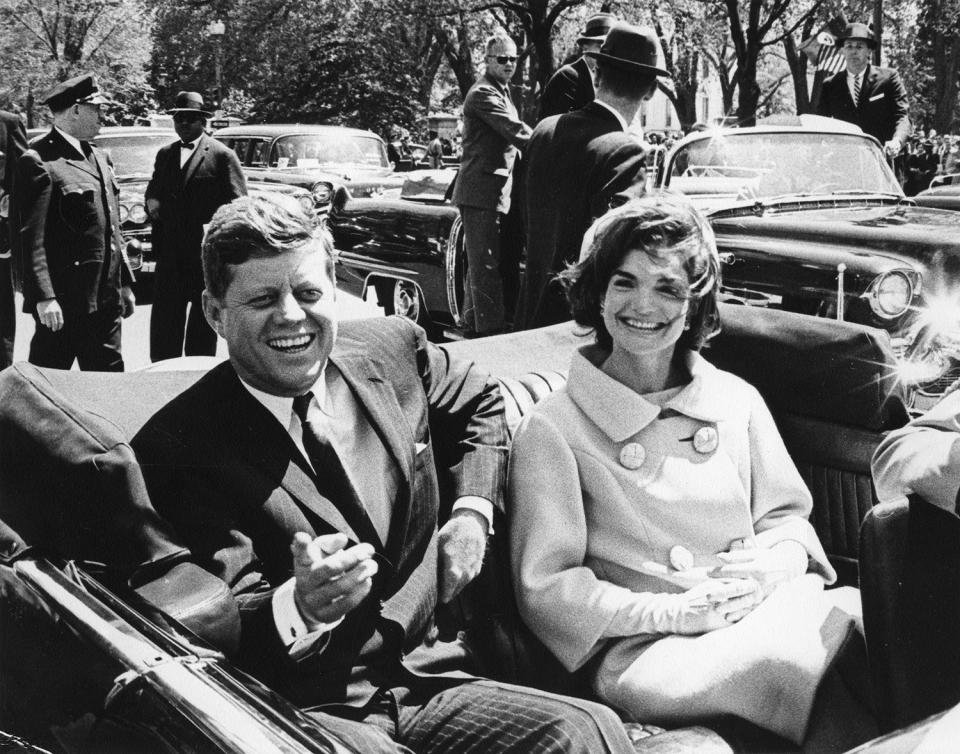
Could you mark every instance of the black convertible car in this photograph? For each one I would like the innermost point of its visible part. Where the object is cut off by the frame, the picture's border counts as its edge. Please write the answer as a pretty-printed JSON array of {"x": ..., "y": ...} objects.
[{"x": 809, "y": 218}]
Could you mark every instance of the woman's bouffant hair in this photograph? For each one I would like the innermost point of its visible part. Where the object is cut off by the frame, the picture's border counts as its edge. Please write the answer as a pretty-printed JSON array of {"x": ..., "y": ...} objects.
[{"x": 662, "y": 226}]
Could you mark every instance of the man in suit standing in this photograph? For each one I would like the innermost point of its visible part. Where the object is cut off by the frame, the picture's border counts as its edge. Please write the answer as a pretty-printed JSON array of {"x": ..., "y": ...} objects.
[
  {"x": 75, "y": 272},
  {"x": 492, "y": 134},
  {"x": 571, "y": 86},
  {"x": 869, "y": 96},
  {"x": 578, "y": 163},
  {"x": 13, "y": 143},
  {"x": 306, "y": 471},
  {"x": 191, "y": 178}
]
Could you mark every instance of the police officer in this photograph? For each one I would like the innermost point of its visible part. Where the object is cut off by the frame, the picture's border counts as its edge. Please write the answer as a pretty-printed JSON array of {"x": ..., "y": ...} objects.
[{"x": 76, "y": 277}]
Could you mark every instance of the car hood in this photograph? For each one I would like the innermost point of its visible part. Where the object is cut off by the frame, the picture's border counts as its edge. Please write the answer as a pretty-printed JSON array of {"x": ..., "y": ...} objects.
[{"x": 925, "y": 239}]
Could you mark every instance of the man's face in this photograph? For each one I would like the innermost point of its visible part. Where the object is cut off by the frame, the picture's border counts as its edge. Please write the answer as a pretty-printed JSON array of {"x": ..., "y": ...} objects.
[
  {"x": 857, "y": 54},
  {"x": 189, "y": 126},
  {"x": 85, "y": 123},
  {"x": 278, "y": 316},
  {"x": 506, "y": 51}
]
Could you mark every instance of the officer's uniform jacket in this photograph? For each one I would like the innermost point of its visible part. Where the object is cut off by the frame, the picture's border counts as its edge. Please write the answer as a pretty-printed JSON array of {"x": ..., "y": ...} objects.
[{"x": 70, "y": 242}]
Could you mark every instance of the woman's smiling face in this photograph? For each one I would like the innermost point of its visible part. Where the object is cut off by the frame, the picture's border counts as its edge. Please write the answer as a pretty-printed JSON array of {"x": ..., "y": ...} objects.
[{"x": 646, "y": 303}]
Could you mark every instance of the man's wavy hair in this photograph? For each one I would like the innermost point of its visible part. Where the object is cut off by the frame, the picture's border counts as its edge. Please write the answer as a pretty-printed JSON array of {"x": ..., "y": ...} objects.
[
  {"x": 662, "y": 226},
  {"x": 255, "y": 227}
]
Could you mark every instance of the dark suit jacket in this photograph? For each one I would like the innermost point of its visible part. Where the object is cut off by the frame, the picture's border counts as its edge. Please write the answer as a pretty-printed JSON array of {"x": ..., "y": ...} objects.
[
  {"x": 188, "y": 199},
  {"x": 69, "y": 229},
  {"x": 227, "y": 475},
  {"x": 13, "y": 143},
  {"x": 883, "y": 107},
  {"x": 577, "y": 164},
  {"x": 492, "y": 133},
  {"x": 569, "y": 88}
]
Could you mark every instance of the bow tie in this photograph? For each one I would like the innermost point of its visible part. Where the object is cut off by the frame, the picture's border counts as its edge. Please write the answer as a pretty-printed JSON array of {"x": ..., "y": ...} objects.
[{"x": 186, "y": 145}]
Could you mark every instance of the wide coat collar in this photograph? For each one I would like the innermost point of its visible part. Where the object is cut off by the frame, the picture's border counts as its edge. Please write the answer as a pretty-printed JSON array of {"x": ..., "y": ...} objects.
[
  {"x": 196, "y": 159},
  {"x": 621, "y": 413},
  {"x": 54, "y": 147}
]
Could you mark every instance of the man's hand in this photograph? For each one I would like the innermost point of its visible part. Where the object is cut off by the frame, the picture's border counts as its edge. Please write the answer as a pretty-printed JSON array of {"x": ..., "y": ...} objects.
[
  {"x": 330, "y": 581},
  {"x": 128, "y": 302},
  {"x": 892, "y": 147},
  {"x": 153, "y": 209},
  {"x": 50, "y": 313},
  {"x": 462, "y": 543}
]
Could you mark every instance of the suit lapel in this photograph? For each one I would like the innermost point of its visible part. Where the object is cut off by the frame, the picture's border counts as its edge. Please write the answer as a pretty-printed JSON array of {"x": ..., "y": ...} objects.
[
  {"x": 255, "y": 435},
  {"x": 196, "y": 158},
  {"x": 70, "y": 155},
  {"x": 869, "y": 85}
]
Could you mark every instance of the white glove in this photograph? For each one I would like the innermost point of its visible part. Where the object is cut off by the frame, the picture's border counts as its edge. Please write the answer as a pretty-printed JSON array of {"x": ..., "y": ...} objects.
[
  {"x": 768, "y": 566},
  {"x": 713, "y": 604}
]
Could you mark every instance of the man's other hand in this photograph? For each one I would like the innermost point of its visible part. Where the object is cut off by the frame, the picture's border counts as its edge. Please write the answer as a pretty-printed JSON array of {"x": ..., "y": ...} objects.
[
  {"x": 50, "y": 314},
  {"x": 462, "y": 543},
  {"x": 153, "y": 209},
  {"x": 330, "y": 581},
  {"x": 128, "y": 302}
]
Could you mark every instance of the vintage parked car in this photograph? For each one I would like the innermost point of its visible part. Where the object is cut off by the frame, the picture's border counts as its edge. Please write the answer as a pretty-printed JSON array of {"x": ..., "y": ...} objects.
[
  {"x": 944, "y": 193},
  {"x": 809, "y": 218},
  {"x": 319, "y": 159},
  {"x": 113, "y": 640}
]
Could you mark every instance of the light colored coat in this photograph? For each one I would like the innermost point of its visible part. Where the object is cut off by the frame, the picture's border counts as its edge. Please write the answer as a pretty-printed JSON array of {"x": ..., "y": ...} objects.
[{"x": 583, "y": 524}]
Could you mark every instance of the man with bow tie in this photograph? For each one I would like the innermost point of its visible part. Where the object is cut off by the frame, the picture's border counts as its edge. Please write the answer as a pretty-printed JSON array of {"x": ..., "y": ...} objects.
[
  {"x": 867, "y": 95},
  {"x": 75, "y": 273},
  {"x": 191, "y": 178}
]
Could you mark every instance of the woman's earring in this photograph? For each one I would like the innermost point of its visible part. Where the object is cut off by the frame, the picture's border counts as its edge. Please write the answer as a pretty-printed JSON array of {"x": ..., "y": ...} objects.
[{"x": 686, "y": 325}]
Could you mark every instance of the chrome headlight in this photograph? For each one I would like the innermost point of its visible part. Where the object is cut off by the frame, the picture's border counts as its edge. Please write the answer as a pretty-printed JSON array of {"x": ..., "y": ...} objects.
[
  {"x": 137, "y": 214},
  {"x": 322, "y": 193},
  {"x": 306, "y": 203},
  {"x": 124, "y": 213},
  {"x": 891, "y": 294}
]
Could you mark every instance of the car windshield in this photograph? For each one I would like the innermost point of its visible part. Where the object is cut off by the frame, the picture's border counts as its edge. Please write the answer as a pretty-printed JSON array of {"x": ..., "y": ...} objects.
[
  {"x": 314, "y": 150},
  {"x": 767, "y": 165},
  {"x": 133, "y": 154}
]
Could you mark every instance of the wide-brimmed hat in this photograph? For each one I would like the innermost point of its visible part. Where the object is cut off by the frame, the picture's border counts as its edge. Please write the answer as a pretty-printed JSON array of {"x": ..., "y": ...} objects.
[
  {"x": 858, "y": 31},
  {"x": 188, "y": 102},
  {"x": 82, "y": 88},
  {"x": 597, "y": 27},
  {"x": 632, "y": 48}
]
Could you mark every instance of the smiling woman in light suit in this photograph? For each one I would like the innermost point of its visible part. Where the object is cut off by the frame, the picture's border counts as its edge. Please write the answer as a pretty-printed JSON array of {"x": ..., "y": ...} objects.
[{"x": 658, "y": 526}]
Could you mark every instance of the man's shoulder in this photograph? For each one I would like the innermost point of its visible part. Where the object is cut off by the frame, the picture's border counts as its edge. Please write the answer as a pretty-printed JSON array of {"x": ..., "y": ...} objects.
[
  {"x": 191, "y": 410},
  {"x": 379, "y": 337}
]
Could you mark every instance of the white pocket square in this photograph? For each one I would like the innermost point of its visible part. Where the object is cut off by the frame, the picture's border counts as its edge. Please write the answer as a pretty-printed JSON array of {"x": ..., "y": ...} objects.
[
  {"x": 419, "y": 447},
  {"x": 875, "y": 97}
]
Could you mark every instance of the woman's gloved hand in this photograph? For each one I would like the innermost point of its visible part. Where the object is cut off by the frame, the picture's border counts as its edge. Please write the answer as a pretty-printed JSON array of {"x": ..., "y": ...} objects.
[
  {"x": 768, "y": 566},
  {"x": 713, "y": 604}
]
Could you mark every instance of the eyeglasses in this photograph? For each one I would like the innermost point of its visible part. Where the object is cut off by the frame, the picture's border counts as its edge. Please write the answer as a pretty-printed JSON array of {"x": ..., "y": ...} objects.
[{"x": 504, "y": 59}]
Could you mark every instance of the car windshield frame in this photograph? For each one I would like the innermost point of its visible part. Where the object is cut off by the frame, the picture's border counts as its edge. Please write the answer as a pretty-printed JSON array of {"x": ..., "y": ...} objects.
[
  {"x": 316, "y": 150},
  {"x": 128, "y": 151},
  {"x": 766, "y": 165}
]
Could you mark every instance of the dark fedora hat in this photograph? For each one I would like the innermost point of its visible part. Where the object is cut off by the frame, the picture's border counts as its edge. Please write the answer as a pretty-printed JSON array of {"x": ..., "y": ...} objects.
[
  {"x": 858, "y": 31},
  {"x": 82, "y": 88},
  {"x": 633, "y": 48},
  {"x": 597, "y": 27},
  {"x": 188, "y": 102}
]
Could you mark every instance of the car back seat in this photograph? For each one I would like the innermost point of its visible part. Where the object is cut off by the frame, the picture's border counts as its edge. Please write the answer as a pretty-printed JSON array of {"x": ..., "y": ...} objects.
[{"x": 71, "y": 489}]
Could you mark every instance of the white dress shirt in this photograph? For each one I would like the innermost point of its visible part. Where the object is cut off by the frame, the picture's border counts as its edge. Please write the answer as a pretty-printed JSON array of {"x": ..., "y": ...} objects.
[{"x": 186, "y": 154}]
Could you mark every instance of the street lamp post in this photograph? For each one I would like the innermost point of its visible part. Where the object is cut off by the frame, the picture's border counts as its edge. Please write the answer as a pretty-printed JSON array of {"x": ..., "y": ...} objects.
[{"x": 216, "y": 29}]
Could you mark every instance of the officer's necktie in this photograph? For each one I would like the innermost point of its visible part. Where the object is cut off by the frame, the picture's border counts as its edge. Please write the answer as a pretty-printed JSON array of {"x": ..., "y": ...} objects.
[
  {"x": 856, "y": 91},
  {"x": 332, "y": 480}
]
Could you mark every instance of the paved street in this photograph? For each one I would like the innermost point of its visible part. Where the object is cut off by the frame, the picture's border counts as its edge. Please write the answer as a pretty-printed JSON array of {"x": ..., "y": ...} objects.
[{"x": 136, "y": 329}]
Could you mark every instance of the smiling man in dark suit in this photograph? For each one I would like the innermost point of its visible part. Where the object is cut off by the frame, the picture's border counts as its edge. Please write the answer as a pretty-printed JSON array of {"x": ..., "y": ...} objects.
[
  {"x": 191, "y": 178},
  {"x": 869, "y": 96},
  {"x": 76, "y": 277},
  {"x": 577, "y": 164},
  {"x": 306, "y": 471}
]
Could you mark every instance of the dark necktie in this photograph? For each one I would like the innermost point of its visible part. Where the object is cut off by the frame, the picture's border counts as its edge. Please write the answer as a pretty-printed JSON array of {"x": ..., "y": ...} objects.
[{"x": 332, "y": 480}]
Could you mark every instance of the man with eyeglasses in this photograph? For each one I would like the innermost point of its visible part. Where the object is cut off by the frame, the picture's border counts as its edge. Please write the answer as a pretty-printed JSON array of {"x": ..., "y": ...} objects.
[
  {"x": 75, "y": 274},
  {"x": 869, "y": 96},
  {"x": 192, "y": 178},
  {"x": 492, "y": 134}
]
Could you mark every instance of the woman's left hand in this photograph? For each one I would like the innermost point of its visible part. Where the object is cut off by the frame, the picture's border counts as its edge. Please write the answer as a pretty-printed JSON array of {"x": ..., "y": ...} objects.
[{"x": 769, "y": 566}]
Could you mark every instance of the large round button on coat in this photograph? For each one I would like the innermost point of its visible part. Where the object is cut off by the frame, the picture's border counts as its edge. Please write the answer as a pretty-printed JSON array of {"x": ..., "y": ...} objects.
[
  {"x": 632, "y": 455},
  {"x": 705, "y": 440}
]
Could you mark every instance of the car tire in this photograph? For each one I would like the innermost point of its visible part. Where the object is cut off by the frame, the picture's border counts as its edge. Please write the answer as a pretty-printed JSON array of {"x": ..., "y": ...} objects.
[{"x": 403, "y": 297}]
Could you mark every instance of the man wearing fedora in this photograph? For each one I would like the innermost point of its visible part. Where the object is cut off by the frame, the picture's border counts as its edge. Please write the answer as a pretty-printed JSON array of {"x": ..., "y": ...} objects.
[
  {"x": 13, "y": 143},
  {"x": 75, "y": 274},
  {"x": 578, "y": 164},
  {"x": 571, "y": 86},
  {"x": 192, "y": 178},
  {"x": 869, "y": 96}
]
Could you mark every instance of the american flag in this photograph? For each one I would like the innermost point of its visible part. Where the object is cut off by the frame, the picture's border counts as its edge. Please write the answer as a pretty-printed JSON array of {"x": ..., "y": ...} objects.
[{"x": 829, "y": 58}]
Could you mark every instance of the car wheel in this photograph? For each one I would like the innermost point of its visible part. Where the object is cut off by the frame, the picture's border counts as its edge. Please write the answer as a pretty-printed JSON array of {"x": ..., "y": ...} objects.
[{"x": 405, "y": 301}]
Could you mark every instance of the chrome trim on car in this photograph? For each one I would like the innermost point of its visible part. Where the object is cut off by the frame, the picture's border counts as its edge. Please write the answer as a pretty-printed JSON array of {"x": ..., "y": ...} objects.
[
  {"x": 449, "y": 264},
  {"x": 872, "y": 294}
]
